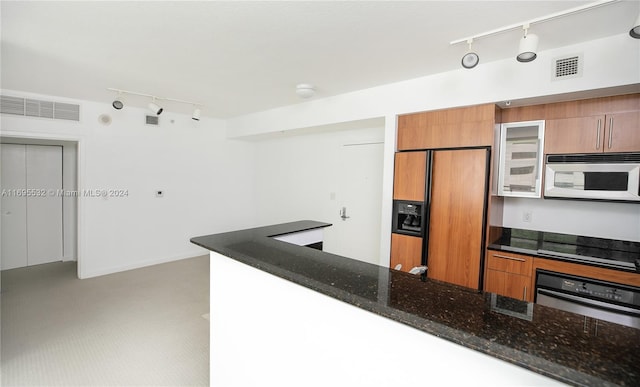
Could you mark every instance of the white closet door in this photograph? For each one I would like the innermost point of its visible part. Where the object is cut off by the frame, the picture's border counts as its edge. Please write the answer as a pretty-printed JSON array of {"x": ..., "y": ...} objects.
[
  {"x": 44, "y": 213},
  {"x": 13, "y": 207}
]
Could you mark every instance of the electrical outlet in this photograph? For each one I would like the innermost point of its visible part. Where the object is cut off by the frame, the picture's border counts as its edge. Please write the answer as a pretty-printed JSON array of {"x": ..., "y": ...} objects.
[{"x": 527, "y": 216}]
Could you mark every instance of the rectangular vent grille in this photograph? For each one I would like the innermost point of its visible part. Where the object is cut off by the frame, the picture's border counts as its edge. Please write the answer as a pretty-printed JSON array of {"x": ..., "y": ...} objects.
[
  {"x": 595, "y": 158},
  {"x": 568, "y": 67},
  {"x": 36, "y": 108},
  {"x": 152, "y": 120}
]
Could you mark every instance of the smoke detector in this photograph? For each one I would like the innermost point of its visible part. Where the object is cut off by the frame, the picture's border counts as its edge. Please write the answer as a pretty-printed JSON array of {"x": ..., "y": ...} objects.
[{"x": 305, "y": 90}]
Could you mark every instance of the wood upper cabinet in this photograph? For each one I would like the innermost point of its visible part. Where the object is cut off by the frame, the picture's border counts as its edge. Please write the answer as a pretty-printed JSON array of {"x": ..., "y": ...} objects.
[
  {"x": 409, "y": 176},
  {"x": 406, "y": 251},
  {"x": 619, "y": 132},
  {"x": 622, "y": 132},
  {"x": 509, "y": 275},
  {"x": 450, "y": 128}
]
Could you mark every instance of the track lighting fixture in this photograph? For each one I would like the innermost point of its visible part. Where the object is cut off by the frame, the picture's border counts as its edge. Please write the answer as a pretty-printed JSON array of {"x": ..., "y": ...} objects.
[
  {"x": 153, "y": 106},
  {"x": 196, "y": 115},
  {"x": 470, "y": 59},
  {"x": 157, "y": 110},
  {"x": 528, "y": 48},
  {"x": 529, "y": 42},
  {"x": 634, "y": 32},
  {"x": 118, "y": 103}
]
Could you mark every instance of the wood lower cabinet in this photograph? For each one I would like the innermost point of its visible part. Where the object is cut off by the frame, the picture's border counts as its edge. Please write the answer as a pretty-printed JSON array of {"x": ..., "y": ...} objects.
[
  {"x": 603, "y": 133},
  {"x": 514, "y": 275},
  {"x": 405, "y": 250},
  {"x": 509, "y": 275}
]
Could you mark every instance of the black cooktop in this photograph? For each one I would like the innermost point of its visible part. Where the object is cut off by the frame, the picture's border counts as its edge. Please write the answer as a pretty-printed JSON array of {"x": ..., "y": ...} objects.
[{"x": 611, "y": 253}]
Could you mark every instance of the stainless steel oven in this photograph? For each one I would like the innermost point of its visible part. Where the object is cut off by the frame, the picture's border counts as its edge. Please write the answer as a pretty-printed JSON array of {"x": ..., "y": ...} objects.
[
  {"x": 606, "y": 176},
  {"x": 589, "y": 297}
]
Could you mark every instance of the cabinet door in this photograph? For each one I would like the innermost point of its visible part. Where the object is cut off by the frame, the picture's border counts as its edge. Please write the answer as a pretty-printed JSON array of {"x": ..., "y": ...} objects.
[
  {"x": 406, "y": 250},
  {"x": 458, "y": 194},
  {"x": 622, "y": 132},
  {"x": 574, "y": 135},
  {"x": 450, "y": 128},
  {"x": 509, "y": 285},
  {"x": 517, "y": 286},
  {"x": 409, "y": 176},
  {"x": 521, "y": 159}
]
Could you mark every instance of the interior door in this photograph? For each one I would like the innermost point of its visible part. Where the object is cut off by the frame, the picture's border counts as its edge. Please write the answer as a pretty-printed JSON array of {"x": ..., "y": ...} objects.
[
  {"x": 356, "y": 229},
  {"x": 457, "y": 216},
  {"x": 31, "y": 206},
  {"x": 44, "y": 212},
  {"x": 14, "y": 207}
]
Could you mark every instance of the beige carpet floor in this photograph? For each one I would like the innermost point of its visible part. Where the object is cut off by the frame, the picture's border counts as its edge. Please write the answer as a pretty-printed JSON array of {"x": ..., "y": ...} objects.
[{"x": 147, "y": 326}]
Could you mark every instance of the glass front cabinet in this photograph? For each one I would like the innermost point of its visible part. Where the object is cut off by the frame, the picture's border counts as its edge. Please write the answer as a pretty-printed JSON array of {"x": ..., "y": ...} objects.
[{"x": 520, "y": 164}]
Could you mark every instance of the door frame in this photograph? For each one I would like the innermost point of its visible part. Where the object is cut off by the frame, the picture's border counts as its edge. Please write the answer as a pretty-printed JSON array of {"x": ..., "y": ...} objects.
[{"x": 34, "y": 138}]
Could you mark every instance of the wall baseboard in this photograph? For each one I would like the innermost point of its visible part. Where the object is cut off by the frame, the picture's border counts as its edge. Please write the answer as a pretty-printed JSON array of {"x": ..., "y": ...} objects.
[{"x": 196, "y": 252}]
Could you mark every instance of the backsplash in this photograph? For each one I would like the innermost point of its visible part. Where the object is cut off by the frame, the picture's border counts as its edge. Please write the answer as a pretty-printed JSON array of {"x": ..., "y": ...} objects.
[{"x": 588, "y": 218}]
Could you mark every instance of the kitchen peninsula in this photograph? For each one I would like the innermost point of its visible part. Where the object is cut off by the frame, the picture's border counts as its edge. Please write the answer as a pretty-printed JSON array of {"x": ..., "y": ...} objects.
[{"x": 246, "y": 317}]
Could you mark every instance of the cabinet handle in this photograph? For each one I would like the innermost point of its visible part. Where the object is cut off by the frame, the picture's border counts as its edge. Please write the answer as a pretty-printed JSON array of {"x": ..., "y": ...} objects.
[
  {"x": 598, "y": 134},
  {"x": 524, "y": 296},
  {"x": 610, "y": 131},
  {"x": 511, "y": 258}
]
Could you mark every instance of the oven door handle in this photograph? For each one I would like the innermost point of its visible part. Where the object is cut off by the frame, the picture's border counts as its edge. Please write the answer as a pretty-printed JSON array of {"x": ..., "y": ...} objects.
[{"x": 590, "y": 302}]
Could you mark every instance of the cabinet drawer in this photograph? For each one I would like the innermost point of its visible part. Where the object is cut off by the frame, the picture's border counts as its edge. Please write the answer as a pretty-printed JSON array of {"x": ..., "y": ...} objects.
[{"x": 509, "y": 263}]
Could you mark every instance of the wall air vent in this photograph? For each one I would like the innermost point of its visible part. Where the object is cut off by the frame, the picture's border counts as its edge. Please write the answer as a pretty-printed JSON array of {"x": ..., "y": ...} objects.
[
  {"x": 567, "y": 67},
  {"x": 36, "y": 108},
  {"x": 152, "y": 120}
]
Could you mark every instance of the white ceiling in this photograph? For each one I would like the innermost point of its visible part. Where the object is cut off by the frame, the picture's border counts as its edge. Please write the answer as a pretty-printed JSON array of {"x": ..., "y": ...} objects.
[{"x": 239, "y": 57}]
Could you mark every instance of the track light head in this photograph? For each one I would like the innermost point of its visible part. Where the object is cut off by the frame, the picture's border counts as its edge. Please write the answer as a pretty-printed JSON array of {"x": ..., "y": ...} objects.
[
  {"x": 470, "y": 59},
  {"x": 196, "y": 115},
  {"x": 155, "y": 108},
  {"x": 118, "y": 102},
  {"x": 634, "y": 32},
  {"x": 528, "y": 48}
]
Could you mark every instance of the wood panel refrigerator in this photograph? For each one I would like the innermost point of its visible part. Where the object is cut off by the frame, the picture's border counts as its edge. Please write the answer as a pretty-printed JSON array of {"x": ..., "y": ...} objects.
[{"x": 456, "y": 195}]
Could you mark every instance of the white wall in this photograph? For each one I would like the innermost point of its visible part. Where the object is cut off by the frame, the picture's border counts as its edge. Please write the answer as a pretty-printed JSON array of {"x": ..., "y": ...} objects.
[
  {"x": 207, "y": 182},
  {"x": 588, "y": 218},
  {"x": 608, "y": 62},
  {"x": 298, "y": 176}
]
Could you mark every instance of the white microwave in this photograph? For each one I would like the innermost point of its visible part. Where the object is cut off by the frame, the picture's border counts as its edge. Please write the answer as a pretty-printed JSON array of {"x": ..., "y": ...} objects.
[{"x": 606, "y": 176}]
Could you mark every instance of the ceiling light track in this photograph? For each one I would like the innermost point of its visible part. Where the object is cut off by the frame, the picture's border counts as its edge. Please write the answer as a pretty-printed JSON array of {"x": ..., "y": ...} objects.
[
  {"x": 153, "y": 106},
  {"x": 536, "y": 20}
]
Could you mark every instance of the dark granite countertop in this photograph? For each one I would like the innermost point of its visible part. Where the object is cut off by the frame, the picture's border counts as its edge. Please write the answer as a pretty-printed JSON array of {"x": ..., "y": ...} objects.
[
  {"x": 608, "y": 253},
  {"x": 564, "y": 346}
]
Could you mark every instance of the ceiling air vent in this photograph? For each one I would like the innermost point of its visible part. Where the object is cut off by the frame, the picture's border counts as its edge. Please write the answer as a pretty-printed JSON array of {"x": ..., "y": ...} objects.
[
  {"x": 567, "y": 67},
  {"x": 36, "y": 108},
  {"x": 11, "y": 105},
  {"x": 66, "y": 111},
  {"x": 152, "y": 120}
]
